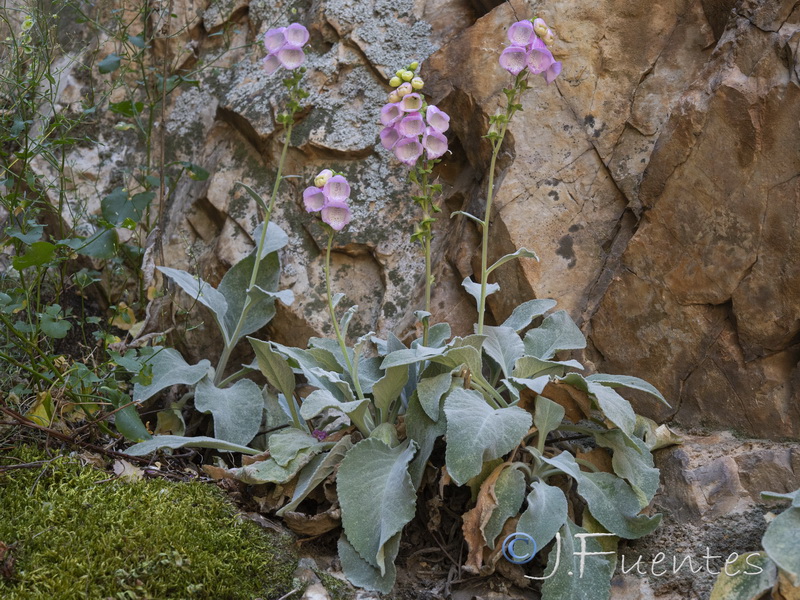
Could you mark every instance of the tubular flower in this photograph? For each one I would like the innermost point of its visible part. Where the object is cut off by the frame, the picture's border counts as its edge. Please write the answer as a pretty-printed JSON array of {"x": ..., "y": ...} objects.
[
  {"x": 412, "y": 129},
  {"x": 284, "y": 47},
  {"x": 529, "y": 50},
  {"x": 330, "y": 201}
]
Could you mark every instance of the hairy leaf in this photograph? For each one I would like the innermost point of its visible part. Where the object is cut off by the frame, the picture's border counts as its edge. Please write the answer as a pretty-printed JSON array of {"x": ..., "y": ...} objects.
[
  {"x": 634, "y": 465},
  {"x": 545, "y": 514},
  {"x": 178, "y": 441},
  {"x": 627, "y": 381},
  {"x": 169, "y": 368},
  {"x": 364, "y": 575},
  {"x": 547, "y": 416},
  {"x": 780, "y": 543},
  {"x": 474, "y": 289},
  {"x": 388, "y": 388},
  {"x": 286, "y": 444},
  {"x": 317, "y": 471},
  {"x": 557, "y": 332},
  {"x": 376, "y": 496},
  {"x": 237, "y": 410},
  {"x": 430, "y": 391},
  {"x": 525, "y": 313},
  {"x": 748, "y": 577},
  {"x": 203, "y": 292},
  {"x": 477, "y": 433},
  {"x": 274, "y": 367},
  {"x": 504, "y": 346}
]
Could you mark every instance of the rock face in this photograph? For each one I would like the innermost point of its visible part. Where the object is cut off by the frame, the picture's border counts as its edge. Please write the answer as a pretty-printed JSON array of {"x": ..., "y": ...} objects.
[
  {"x": 711, "y": 506},
  {"x": 657, "y": 179}
]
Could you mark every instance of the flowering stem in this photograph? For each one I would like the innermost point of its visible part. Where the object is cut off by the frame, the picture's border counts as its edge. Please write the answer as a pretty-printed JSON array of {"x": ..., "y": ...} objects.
[
  {"x": 520, "y": 85},
  {"x": 339, "y": 337},
  {"x": 424, "y": 232},
  {"x": 248, "y": 302}
]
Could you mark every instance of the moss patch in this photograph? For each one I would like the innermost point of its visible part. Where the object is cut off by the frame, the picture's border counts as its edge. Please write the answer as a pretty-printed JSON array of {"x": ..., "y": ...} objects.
[{"x": 75, "y": 534}]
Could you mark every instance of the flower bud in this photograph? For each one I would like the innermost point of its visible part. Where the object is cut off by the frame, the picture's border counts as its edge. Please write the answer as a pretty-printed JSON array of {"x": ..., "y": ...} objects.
[
  {"x": 417, "y": 83},
  {"x": 413, "y": 66},
  {"x": 404, "y": 89},
  {"x": 399, "y": 72},
  {"x": 323, "y": 177},
  {"x": 549, "y": 37},
  {"x": 394, "y": 97},
  {"x": 407, "y": 76},
  {"x": 395, "y": 81},
  {"x": 540, "y": 27}
]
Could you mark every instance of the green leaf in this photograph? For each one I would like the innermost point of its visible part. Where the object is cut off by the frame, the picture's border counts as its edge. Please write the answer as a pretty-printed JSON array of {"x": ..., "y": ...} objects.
[
  {"x": 233, "y": 288},
  {"x": 344, "y": 322},
  {"x": 616, "y": 409},
  {"x": 237, "y": 410},
  {"x": 615, "y": 505},
  {"x": 438, "y": 335},
  {"x": 525, "y": 313},
  {"x": 387, "y": 389},
  {"x": 257, "y": 197},
  {"x": 127, "y": 420},
  {"x": 137, "y": 40},
  {"x": 317, "y": 471},
  {"x": 376, "y": 496},
  {"x": 793, "y": 496},
  {"x": 528, "y": 367},
  {"x": 34, "y": 233},
  {"x": 430, "y": 391},
  {"x": 627, "y": 381},
  {"x": 573, "y": 571},
  {"x": 168, "y": 369},
  {"x": 509, "y": 490},
  {"x": 52, "y": 322},
  {"x": 780, "y": 543},
  {"x": 178, "y": 441},
  {"x": 466, "y": 214},
  {"x": 361, "y": 573},
  {"x": 204, "y": 293},
  {"x": 117, "y": 208},
  {"x": 474, "y": 289},
  {"x": 477, "y": 433},
  {"x": 408, "y": 356},
  {"x": 285, "y": 445},
  {"x": 521, "y": 253},
  {"x": 101, "y": 244},
  {"x": 275, "y": 240},
  {"x": 610, "y": 499},
  {"x": 557, "y": 332},
  {"x": 748, "y": 577},
  {"x": 274, "y": 367},
  {"x": 545, "y": 514},
  {"x": 424, "y": 431},
  {"x": 547, "y": 416},
  {"x": 37, "y": 255},
  {"x": 269, "y": 471},
  {"x": 109, "y": 64},
  {"x": 634, "y": 465},
  {"x": 127, "y": 108},
  {"x": 504, "y": 346},
  {"x": 320, "y": 400}
]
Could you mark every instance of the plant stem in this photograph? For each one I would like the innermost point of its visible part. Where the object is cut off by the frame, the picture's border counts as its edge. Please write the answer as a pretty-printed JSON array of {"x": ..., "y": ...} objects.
[
  {"x": 520, "y": 85},
  {"x": 339, "y": 337},
  {"x": 230, "y": 343}
]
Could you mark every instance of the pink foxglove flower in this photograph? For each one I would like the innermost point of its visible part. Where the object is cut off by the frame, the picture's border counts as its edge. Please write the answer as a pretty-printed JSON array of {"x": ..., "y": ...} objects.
[
  {"x": 438, "y": 119},
  {"x": 529, "y": 50},
  {"x": 284, "y": 47},
  {"x": 411, "y": 126},
  {"x": 408, "y": 150},
  {"x": 411, "y": 102},
  {"x": 336, "y": 213},
  {"x": 313, "y": 199},
  {"x": 520, "y": 33},
  {"x": 336, "y": 189},
  {"x": 389, "y": 137},
  {"x": 391, "y": 113},
  {"x": 435, "y": 143}
]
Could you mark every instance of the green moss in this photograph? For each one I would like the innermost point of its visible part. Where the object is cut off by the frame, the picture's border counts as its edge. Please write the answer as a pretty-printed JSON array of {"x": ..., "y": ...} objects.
[
  {"x": 77, "y": 534},
  {"x": 336, "y": 588}
]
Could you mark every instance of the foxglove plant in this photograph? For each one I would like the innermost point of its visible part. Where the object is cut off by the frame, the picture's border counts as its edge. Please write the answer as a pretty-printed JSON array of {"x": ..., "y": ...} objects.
[
  {"x": 500, "y": 399},
  {"x": 414, "y": 132},
  {"x": 527, "y": 54}
]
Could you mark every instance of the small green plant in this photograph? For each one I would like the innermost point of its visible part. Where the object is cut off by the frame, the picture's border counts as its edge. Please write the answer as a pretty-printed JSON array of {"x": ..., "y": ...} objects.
[
  {"x": 69, "y": 532},
  {"x": 508, "y": 407},
  {"x": 776, "y": 568}
]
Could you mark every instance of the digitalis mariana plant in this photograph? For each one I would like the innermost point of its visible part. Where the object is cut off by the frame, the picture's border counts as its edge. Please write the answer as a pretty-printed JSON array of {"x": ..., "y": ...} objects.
[{"x": 512, "y": 411}]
